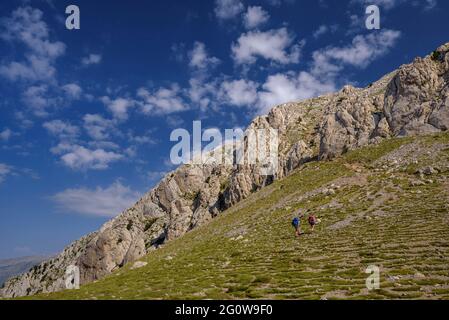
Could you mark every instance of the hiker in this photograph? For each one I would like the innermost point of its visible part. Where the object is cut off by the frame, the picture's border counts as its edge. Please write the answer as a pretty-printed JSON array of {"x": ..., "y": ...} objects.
[
  {"x": 313, "y": 221},
  {"x": 296, "y": 222}
]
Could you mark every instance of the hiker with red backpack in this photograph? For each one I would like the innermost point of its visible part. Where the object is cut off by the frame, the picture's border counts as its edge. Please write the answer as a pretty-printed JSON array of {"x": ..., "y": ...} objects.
[{"x": 313, "y": 221}]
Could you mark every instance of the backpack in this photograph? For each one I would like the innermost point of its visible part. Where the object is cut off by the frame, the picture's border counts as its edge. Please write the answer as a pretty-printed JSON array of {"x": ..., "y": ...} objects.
[
  {"x": 312, "y": 219},
  {"x": 295, "y": 222}
]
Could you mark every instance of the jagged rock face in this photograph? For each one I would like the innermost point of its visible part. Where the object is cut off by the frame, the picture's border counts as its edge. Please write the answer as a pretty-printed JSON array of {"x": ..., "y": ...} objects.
[
  {"x": 412, "y": 100},
  {"x": 189, "y": 196},
  {"x": 353, "y": 119},
  {"x": 416, "y": 101},
  {"x": 123, "y": 239}
]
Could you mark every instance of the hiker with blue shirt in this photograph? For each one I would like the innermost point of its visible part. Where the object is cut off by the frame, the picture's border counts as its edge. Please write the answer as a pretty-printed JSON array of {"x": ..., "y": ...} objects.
[{"x": 296, "y": 222}]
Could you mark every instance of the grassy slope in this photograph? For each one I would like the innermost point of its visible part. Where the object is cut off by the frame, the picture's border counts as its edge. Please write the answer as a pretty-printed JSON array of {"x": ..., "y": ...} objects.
[{"x": 250, "y": 251}]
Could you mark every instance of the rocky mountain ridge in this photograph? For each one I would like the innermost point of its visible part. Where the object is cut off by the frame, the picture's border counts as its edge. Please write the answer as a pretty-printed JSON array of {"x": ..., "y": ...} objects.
[{"x": 413, "y": 100}]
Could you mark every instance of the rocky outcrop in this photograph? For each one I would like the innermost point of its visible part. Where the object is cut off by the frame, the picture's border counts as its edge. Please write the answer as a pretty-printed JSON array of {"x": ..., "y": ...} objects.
[
  {"x": 412, "y": 100},
  {"x": 355, "y": 118},
  {"x": 417, "y": 100}
]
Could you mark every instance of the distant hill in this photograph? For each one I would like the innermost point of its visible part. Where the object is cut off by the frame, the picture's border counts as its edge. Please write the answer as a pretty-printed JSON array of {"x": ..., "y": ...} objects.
[{"x": 14, "y": 267}]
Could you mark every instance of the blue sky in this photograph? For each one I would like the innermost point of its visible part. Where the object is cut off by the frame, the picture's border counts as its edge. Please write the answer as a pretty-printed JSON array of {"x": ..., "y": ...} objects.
[{"x": 86, "y": 114}]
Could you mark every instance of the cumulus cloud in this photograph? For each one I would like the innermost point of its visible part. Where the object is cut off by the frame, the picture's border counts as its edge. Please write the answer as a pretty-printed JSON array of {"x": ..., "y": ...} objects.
[
  {"x": 5, "y": 170},
  {"x": 62, "y": 130},
  {"x": 202, "y": 93},
  {"x": 97, "y": 127},
  {"x": 430, "y": 4},
  {"x": 238, "y": 92},
  {"x": 39, "y": 99},
  {"x": 26, "y": 26},
  {"x": 362, "y": 51},
  {"x": 282, "y": 88},
  {"x": 325, "y": 68},
  {"x": 255, "y": 17},
  {"x": 322, "y": 76},
  {"x": 80, "y": 158},
  {"x": 6, "y": 134},
  {"x": 228, "y": 9},
  {"x": 91, "y": 59},
  {"x": 118, "y": 107},
  {"x": 36, "y": 72},
  {"x": 35, "y": 69},
  {"x": 72, "y": 90},
  {"x": 99, "y": 202},
  {"x": 275, "y": 45},
  {"x": 161, "y": 101},
  {"x": 323, "y": 29},
  {"x": 145, "y": 139},
  {"x": 200, "y": 59}
]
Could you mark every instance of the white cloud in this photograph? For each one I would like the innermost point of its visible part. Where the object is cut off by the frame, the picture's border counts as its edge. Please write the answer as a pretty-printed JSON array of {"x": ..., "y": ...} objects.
[
  {"x": 5, "y": 134},
  {"x": 63, "y": 130},
  {"x": 174, "y": 121},
  {"x": 81, "y": 158},
  {"x": 97, "y": 127},
  {"x": 162, "y": 101},
  {"x": 26, "y": 26},
  {"x": 24, "y": 122},
  {"x": 228, "y": 9},
  {"x": 199, "y": 58},
  {"x": 362, "y": 51},
  {"x": 72, "y": 90},
  {"x": 430, "y": 4},
  {"x": 38, "y": 98},
  {"x": 326, "y": 66},
  {"x": 91, "y": 59},
  {"x": 275, "y": 45},
  {"x": 5, "y": 170},
  {"x": 145, "y": 139},
  {"x": 118, "y": 107},
  {"x": 255, "y": 17},
  {"x": 238, "y": 92},
  {"x": 320, "y": 31},
  {"x": 102, "y": 144},
  {"x": 101, "y": 202},
  {"x": 202, "y": 92},
  {"x": 37, "y": 70},
  {"x": 282, "y": 88},
  {"x": 323, "y": 76}
]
